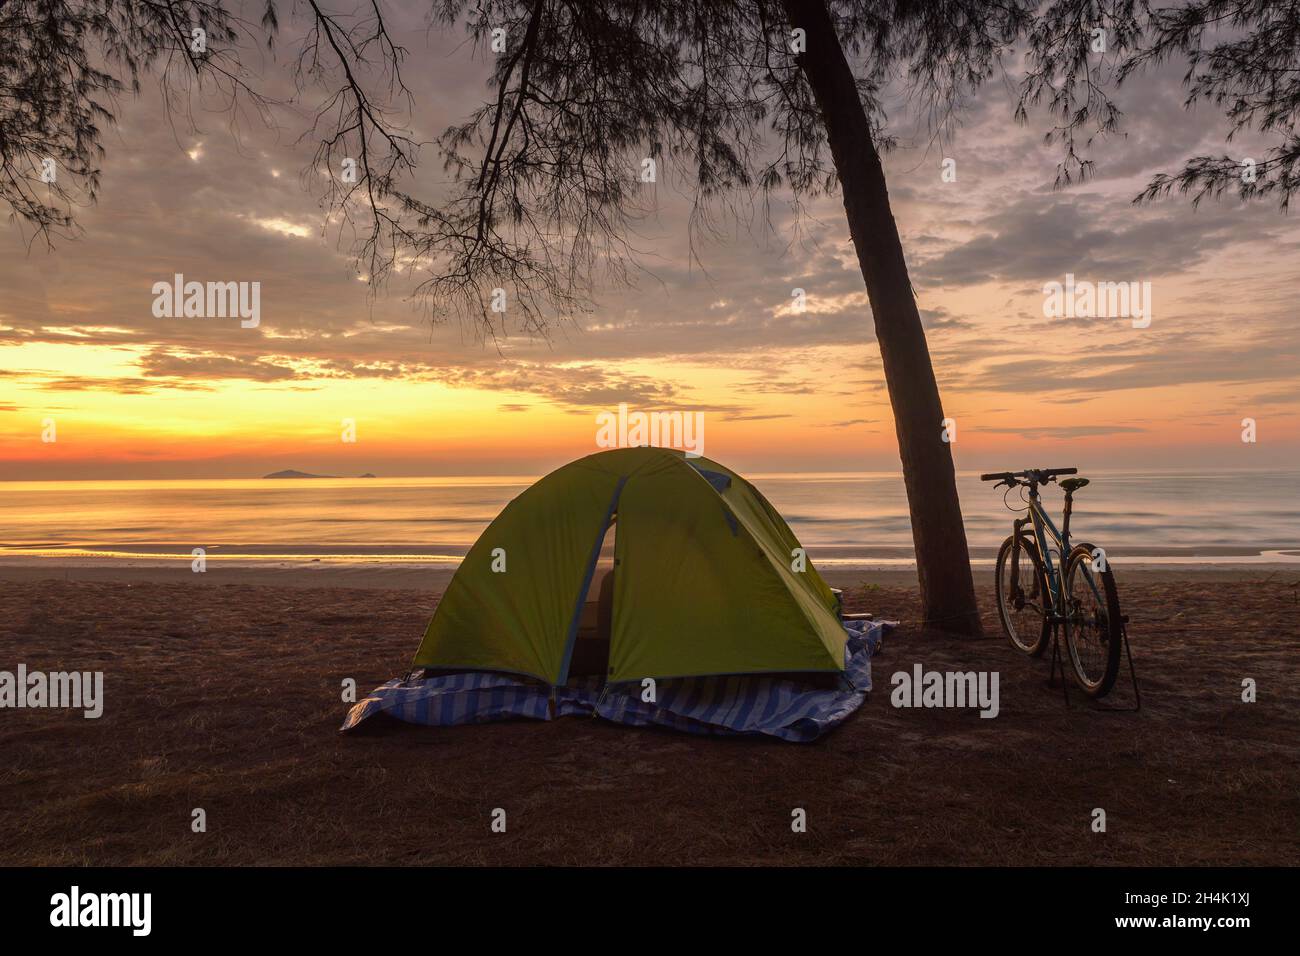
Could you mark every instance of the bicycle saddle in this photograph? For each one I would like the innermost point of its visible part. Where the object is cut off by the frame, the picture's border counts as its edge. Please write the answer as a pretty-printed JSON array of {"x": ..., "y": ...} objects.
[{"x": 1071, "y": 485}]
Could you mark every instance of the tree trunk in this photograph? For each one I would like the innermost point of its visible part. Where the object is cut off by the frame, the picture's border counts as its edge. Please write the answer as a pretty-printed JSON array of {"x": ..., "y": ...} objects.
[{"x": 942, "y": 558}]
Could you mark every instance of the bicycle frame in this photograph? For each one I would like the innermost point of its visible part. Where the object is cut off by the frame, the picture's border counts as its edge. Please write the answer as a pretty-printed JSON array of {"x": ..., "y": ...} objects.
[{"x": 1045, "y": 528}]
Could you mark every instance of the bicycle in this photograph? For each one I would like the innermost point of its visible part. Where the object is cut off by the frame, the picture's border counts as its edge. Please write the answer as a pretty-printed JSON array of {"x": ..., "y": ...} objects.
[{"x": 1082, "y": 601}]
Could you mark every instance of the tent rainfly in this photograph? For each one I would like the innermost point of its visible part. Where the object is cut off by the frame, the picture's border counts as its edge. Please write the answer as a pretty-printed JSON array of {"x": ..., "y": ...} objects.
[{"x": 706, "y": 579}]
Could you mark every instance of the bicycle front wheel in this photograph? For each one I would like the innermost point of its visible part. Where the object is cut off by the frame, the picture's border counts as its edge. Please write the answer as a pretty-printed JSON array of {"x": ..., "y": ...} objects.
[
  {"x": 1093, "y": 626},
  {"x": 1023, "y": 597}
]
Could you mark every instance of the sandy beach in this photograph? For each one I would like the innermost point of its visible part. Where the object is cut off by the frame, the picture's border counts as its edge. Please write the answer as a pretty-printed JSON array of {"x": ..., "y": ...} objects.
[{"x": 222, "y": 692}]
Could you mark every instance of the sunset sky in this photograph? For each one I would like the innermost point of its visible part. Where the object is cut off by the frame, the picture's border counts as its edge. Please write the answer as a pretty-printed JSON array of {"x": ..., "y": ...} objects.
[{"x": 134, "y": 396}]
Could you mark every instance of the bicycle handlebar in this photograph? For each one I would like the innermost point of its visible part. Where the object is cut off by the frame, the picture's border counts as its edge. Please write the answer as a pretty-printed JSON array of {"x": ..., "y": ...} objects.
[{"x": 1034, "y": 474}]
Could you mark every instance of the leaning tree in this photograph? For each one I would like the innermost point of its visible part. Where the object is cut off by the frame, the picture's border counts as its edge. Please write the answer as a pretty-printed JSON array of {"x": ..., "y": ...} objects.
[{"x": 737, "y": 100}]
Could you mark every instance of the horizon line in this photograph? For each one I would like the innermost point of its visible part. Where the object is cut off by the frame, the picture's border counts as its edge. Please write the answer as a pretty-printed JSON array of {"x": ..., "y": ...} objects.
[{"x": 1181, "y": 469}]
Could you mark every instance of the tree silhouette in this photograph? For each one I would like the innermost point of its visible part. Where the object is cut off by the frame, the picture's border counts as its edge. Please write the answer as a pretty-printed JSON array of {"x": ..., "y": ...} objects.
[
  {"x": 738, "y": 101},
  {"x": 63, "y": 66}
]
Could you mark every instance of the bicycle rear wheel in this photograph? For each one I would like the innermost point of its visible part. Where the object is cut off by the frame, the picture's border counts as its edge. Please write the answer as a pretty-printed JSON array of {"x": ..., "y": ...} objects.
[
  {"x": 1093, "y": 626},
  {"x": 1023, "y": 603}
]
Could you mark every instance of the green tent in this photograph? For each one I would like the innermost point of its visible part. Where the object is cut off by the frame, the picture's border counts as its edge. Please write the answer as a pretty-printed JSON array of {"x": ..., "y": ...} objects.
[{"x": 702, "y": 580}]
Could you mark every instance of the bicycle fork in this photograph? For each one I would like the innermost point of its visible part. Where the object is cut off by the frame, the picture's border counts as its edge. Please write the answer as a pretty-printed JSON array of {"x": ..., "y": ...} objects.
[{"x": 1048, "y": 596}]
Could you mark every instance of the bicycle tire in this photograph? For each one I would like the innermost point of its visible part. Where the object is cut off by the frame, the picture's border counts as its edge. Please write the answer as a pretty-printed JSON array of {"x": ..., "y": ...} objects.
[
  {"x": 1039, "y": 590},
  {"x": 1102, "y": 633}
]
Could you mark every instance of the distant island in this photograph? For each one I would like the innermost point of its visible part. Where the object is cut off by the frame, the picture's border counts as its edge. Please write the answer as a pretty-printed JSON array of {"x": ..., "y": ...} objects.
[{"x": 291, "y": 473}]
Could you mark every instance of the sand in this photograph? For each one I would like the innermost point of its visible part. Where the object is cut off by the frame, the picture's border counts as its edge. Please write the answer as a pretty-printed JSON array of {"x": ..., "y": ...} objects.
[{"x": 223, "y": 693}]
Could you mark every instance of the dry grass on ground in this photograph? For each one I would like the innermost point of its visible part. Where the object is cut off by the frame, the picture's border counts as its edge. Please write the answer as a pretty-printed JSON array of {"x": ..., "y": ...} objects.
[{"x": 227, "y": 698}]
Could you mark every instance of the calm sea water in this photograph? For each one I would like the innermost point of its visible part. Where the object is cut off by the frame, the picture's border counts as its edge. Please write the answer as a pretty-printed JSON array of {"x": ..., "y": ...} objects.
[{"x": 840, "y": 517}]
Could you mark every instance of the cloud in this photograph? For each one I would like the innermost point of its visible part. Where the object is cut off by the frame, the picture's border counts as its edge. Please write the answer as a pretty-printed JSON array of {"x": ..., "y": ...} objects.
[
  {"x": 1040, "y": 239},
  {"x": 1265, "y": 355},
  {"x": 755, "y": 418},
  {"x": 120, "y": 386},
  {"x": 166, "y": 364},
  {"x": 1034, "y": 433}
]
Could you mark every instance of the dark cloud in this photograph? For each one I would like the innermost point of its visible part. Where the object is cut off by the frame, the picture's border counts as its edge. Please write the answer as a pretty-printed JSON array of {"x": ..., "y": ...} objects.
[
  {"x": 164, "y": 364},
  {"x": 1263, "y": 357},
  {"x": 1039, "y": 239}
]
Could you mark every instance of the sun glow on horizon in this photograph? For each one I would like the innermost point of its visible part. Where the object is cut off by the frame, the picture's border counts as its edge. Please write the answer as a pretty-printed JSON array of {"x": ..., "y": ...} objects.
[{"x": 105, "y": 410}]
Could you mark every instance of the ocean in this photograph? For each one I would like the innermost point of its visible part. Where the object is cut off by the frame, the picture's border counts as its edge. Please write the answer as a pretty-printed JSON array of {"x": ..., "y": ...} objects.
[{"x": 849, "y": 519}]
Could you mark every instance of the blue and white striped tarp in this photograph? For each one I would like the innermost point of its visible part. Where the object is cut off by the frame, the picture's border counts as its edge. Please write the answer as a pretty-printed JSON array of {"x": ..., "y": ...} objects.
[{"x": 774, "y": 706}]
